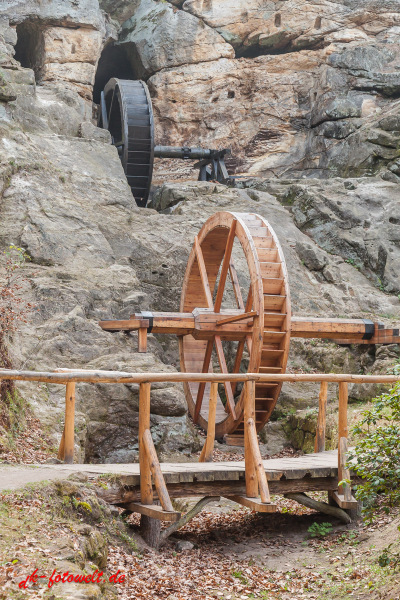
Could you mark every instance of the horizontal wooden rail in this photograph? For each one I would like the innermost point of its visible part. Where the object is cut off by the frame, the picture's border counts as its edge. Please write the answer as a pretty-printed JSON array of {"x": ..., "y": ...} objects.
[{"x": 86, "y": 376}]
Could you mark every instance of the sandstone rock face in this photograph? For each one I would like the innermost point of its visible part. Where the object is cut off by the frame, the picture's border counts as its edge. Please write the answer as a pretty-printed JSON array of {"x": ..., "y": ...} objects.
[
  {"x": 59, "y": 40},
  {"x": 357, "y": 219},
  {"x": 314, "y": 73},
  {"x": 158, "y": 36}
]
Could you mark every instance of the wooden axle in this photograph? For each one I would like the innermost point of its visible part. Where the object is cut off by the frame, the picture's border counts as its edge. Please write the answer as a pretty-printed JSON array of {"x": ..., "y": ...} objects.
[{"x": 205, "y": 324}]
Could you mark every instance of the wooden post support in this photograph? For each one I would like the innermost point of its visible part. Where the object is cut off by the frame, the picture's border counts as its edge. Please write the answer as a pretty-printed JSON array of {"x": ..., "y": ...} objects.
[
  {"x": 343, "y": 497},
  {"x": 344, "y": 473},
  {"x": 69, "y": 427},
  {"x": 343, "y": 428},
  {"x": 142, "y": 339},
  {"x": 321, "y": 424},
  {"x": 146, "y": 489},
  {"x": 207, "y": 452},
  {"x": 249, "y": 414},
  {"x": 257, "y": 462},
  {"x": 61, "y": 449},
  {"x": 156, "y": 471}
]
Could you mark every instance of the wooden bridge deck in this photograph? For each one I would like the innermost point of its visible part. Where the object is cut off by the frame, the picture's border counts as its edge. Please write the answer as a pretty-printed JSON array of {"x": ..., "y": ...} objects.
[
  {"x": 311, "y": 472},
  {"x": 305, "y": 473}
]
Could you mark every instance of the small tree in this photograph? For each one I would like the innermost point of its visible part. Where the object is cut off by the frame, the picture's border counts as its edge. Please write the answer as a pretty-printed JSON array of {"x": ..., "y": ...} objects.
[{"x": 14, "y": 308}]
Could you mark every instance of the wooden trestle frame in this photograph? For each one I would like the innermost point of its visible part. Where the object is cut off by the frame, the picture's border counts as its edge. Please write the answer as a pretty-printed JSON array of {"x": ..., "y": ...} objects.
[{"x": 260, "y": 321}]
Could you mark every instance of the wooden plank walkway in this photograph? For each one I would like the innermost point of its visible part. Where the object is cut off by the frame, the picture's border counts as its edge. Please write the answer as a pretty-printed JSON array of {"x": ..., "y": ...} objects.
[{"x": 305, "y": 473}]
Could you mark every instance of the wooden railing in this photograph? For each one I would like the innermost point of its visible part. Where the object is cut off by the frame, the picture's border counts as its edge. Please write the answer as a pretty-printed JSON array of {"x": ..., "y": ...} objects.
[{"x": 256, "y": 480}]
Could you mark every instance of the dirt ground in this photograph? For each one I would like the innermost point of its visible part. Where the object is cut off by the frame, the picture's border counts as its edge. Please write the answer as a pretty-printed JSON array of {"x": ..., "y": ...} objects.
[{"x": 234, "y": 554}]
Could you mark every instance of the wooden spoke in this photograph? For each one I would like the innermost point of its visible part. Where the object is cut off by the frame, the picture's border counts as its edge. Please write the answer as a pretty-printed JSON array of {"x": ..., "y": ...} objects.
[
  {"x": 203, "y": 273},
  {"x": 249, "y": 301},
  {"x": 225, "y": 267},
  {"x": 202, "y": 386},
  {"x": 224, "y": 369},
  {"x": 240, "y": 348},
  {"x": 236, "y": 286},
  {"x": 246, "y": 315}
]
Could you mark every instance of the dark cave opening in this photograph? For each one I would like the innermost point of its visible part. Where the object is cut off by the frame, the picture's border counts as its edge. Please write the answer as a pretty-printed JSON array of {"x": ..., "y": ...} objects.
[
  {"x": 29, "y": 49},
  {"x": 113, "y": 62}
]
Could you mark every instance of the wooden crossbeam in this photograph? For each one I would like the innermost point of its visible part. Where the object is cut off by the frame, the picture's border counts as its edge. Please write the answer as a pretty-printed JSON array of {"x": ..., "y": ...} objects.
[
  {"x": 153, "y": 510},
  {"x": 234, "y": 318},
  {"x": 253, "y": 503}
]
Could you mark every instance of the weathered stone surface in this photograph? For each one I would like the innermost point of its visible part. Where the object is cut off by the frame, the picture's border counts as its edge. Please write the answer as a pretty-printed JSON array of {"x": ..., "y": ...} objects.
[
  {"x": 238, "y": 104},
  {"x": 81, "y": 12},
  {"x": 90, "y": 132},
  {"x": 158, "y": 37},
  {"x": 77, "y": 72},
  {"x": 63, "y": 45},
  {"x": 266, "y": 25}
]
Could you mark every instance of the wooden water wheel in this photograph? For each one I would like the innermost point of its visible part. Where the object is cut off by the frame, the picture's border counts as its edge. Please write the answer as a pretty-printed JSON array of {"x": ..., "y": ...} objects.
[
  {"x": 266, "y": 335},
  {"x": 251, "y": 315}
]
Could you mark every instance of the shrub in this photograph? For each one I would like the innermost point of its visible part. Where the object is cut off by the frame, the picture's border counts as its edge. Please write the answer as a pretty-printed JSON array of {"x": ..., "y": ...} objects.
[
  {"x": 319, "y": 530},
  {"x": 377, "y": 454}
]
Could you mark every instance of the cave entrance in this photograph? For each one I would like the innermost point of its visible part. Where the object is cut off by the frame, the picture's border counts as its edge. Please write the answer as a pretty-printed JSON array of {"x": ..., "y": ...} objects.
[
  {"x": 29, "y": 49},
  {"x": 113, "y": 62}
]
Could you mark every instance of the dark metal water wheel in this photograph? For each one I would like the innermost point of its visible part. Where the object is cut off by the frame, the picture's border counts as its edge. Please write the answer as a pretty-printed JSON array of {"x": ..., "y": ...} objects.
[{"x": 126, "y": 111}]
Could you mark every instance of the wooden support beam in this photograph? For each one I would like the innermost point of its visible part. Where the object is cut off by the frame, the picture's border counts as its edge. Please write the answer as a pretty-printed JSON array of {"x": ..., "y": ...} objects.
[
  {"x": 146, "y": 488},
  {"x": 344, "y": 473},
  {"x": 207, "y": 452},
  {"x": 142, "y": 339},
  {"x": 249, "y": 415},
  {"x": 343, "y": 426},
  {"x": 321, "y": 423},
  {"x": 61, "y": 449},
  {"x": 153, "y": 511},
  {"x": 69, "y": 427},
  {"x": 253, "y": 503},
  {"x": 187, "y": 517},
  {"x": 246, "y": 315},
  {"x": 225, "y": 488},
  {"x": 323, "y": 507},
  {"x": 343, "y": 503},
  {"x": 257, "y": 462},
  {"x": 124, "y": 325},
  {"x": 155, "y": 469}
]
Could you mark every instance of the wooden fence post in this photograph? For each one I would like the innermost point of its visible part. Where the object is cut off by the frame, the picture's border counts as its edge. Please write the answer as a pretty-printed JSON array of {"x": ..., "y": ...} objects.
[
  {"x": 207, "y": 452},
  {"x": 343, "y": 427},
  {"x": 249, "y": 415},
  {"x": 321, "y": 424},
  {"x": 66, "y": 451},
  {"x": 146, "y": 488}
]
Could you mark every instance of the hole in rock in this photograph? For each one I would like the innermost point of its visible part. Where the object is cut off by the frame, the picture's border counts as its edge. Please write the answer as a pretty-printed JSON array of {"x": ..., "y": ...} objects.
[
  {"x": 231, "y": 94},
  {"x": 29, "y": 49},
  {"x": 278, "y": 20},
  {"x": 113, "y": 62},
  {"x": 317, "y": 24}
]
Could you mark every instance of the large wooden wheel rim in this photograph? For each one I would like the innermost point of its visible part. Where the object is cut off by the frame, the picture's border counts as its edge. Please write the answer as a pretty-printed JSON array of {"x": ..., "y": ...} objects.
[
  {"x": 126, "y": 111},
  {"x": 269, "y": 297}
]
